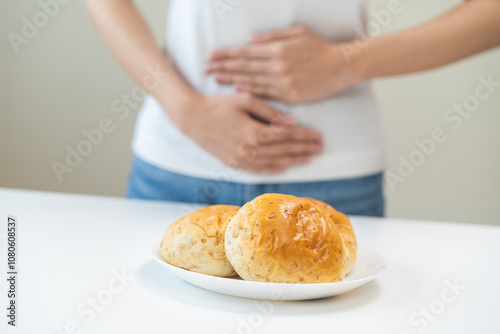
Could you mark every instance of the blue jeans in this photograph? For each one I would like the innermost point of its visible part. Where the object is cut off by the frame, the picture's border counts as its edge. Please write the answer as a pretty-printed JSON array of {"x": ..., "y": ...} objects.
[{"x": 354, "y": 196}]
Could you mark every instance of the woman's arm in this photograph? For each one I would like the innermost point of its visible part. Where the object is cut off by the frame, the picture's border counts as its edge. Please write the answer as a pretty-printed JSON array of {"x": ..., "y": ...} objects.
[
  {"x": 468, "y": 29},
  {"x": 225, "y": 126},
  {"x": 297, "y": 65},
  {"x": 131, "y": 42}
]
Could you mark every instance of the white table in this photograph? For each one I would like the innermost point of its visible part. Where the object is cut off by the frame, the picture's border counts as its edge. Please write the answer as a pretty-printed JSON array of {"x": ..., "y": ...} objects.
[{"x": 72, "y": 247}]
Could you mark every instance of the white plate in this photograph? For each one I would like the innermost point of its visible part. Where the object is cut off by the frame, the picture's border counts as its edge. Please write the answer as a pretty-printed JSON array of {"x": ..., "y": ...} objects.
[{"x": 369, "y": 264}]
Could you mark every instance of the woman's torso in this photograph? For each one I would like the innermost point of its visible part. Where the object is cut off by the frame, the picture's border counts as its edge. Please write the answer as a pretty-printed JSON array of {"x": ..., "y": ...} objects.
[{"x": 349, "y": 120}]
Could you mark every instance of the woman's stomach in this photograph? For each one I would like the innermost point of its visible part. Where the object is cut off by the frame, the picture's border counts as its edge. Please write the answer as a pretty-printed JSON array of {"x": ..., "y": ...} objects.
[{"x": 353, "y": 141}]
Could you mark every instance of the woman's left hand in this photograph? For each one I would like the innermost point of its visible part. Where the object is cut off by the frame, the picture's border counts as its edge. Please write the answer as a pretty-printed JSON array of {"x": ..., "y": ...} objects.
[{"x": 292, "y": 65}]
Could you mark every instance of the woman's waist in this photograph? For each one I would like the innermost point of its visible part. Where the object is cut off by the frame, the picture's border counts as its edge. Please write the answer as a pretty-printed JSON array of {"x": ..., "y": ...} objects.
[{"x": 346, "y": 126}]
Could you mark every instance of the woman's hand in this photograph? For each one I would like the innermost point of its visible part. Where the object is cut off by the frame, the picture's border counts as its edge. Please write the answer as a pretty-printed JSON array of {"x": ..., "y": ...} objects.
[
  {"x": 292, "y": 65},
  {"x": 244, "y": 132}
]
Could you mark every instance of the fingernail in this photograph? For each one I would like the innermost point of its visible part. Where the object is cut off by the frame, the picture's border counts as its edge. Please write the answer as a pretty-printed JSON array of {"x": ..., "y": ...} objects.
[
  {"x": 210, "y": 66},
  {"x": 306, "y": 159},
  {"x": 256, "y": 38},
  {"x": 214, "y": 55},
  {"x": 289, "y": 119}
]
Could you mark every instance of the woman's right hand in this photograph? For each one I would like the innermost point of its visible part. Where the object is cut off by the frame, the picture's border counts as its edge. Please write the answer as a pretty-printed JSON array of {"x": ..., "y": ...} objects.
[{"x": 246, "y": 133}]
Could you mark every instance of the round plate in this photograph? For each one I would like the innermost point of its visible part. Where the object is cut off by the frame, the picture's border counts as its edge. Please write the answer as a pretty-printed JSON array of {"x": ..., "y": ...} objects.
[{"x": 368, "y": 265}]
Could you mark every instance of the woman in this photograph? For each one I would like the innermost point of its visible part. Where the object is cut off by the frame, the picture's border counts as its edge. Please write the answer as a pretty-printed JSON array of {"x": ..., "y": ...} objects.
[{"x": 273, "y": 96}]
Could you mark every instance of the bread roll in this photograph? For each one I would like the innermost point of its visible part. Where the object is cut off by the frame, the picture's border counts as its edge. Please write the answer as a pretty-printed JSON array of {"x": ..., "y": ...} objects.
[
  {"x": 285, "y": 239},
  {"x": 196, "y": 241},
  {"x": 344, "y": 226}
]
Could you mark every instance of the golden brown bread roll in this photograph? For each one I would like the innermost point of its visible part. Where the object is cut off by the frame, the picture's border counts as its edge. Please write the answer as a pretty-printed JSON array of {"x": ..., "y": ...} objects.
[
  {"x": 285, "y": 239},
  {"x": 196, "y": 241},
  {"x": 344, "y": 226}
]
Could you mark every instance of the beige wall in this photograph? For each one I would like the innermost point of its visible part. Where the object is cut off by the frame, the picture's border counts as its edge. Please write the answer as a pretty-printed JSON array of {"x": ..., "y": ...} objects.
[{"x": 63, "y": 81}]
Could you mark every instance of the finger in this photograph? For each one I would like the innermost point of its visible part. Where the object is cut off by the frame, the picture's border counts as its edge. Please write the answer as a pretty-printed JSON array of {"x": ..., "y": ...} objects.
[
  {"x": 266, "y": 91},
  {"x": 297, "y": 133},
  {"x": 247, "y": 51},
  {"x": 240, "y": 65},
  {"x": 277, "y": 34},
  {"x": 294, "y": 148},
  {"x": 242, "y": 78},
  {"x": 263, "y": 111}
]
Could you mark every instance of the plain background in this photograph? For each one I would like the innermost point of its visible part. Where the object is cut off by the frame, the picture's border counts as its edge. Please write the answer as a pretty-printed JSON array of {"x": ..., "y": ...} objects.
[{"x": 63, "y": 81}]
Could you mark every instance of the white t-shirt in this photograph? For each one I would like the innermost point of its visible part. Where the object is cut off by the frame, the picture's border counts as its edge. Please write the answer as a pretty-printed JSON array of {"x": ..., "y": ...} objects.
[{"x": 349, "y": 121}]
